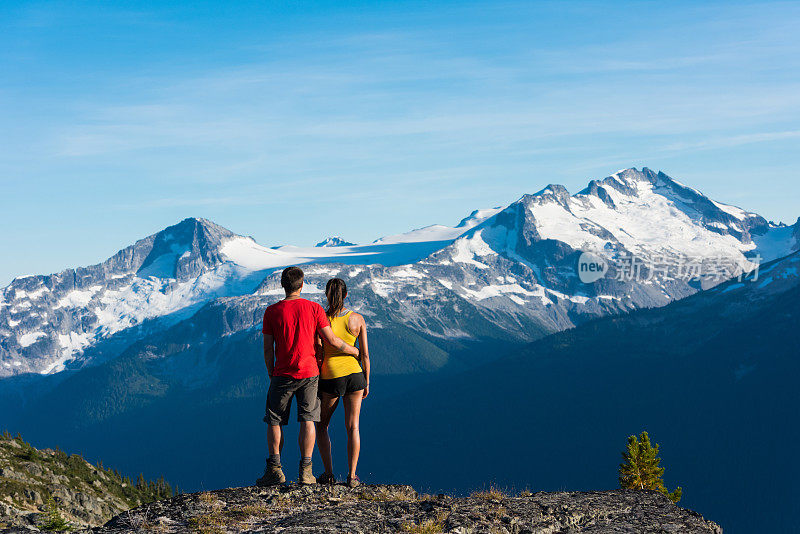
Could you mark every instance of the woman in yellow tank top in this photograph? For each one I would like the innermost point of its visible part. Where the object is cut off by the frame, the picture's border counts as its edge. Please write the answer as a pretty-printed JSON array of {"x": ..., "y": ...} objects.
[{"x": 342, "y": 376}]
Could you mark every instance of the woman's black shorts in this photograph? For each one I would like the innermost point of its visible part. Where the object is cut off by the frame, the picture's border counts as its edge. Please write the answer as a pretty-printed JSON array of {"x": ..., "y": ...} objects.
[{"x": 343, "y": 385}]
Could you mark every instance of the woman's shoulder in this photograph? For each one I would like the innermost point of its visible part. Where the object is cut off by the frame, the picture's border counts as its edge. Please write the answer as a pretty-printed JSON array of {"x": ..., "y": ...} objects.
[{"x": 356, "y": 317}]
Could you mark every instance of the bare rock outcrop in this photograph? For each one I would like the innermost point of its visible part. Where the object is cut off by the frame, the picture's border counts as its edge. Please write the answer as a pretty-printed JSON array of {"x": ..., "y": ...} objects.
[{"x": 391, "y": 508}]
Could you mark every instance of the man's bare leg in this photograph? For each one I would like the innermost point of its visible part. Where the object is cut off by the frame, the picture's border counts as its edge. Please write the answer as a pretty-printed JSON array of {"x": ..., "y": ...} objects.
[
  {"x": 306, "y": 438},
  {"x": 274, "y": 439},
  {"x": 328, "y": 405},
  {"x": 352, "y": 413}
]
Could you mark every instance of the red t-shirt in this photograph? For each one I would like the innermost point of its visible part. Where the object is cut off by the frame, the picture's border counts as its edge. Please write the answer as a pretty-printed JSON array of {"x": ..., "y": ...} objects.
[{"x": 293, "y": 323}]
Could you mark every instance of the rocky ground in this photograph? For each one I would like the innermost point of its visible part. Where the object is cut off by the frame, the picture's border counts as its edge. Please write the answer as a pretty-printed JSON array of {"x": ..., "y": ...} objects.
[
  {"x": 38, "y": 485},
  {"x": 380, "y": 508}
]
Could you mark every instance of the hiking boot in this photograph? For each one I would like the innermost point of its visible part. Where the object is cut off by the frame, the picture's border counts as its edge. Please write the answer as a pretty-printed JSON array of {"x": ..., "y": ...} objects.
[
  {"x": 326, "y": 478},
  {"x": 305, "y": 476},
  {"x": 353, "y": 481},
  {"x": 273, "y": 474}
]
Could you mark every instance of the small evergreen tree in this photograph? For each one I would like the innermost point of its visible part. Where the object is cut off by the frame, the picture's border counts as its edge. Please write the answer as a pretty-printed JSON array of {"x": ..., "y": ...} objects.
[
  {"x": 53, "y": 520},
  {"x": 162, "y": 488},
  {"x": 640, "y": 467}
]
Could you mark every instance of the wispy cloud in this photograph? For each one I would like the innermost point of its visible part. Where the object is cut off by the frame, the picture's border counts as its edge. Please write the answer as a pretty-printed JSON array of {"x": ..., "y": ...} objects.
[
  {"x": 195, "y": 202},
  {"x": 734, "y": 141}
]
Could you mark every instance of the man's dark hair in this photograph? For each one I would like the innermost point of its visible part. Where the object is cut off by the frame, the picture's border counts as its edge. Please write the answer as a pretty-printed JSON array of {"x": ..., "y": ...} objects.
[{"x": 292, "y": 279}]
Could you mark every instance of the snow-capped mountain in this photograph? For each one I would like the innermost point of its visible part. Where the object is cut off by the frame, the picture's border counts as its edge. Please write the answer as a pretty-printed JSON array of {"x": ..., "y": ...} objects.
[
  {"x": 334, "y": 241},
  {"x": 507, "y": 272},
  {"x": 47, "y": 321},
  {"x": 516, "y": 270}
]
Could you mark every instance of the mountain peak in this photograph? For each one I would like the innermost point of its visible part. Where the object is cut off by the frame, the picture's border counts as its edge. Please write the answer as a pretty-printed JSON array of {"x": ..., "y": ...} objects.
[
  {"x": 628, "y": 181},
  {"x": 183, "y": 249},
  {"x": 555, "y": 191},
  {"x": 716, "y": 216},
  {"x": 199, "y": 225},
  {"x": 334, "y": 241},
  {"x": 478, "y": 216}
]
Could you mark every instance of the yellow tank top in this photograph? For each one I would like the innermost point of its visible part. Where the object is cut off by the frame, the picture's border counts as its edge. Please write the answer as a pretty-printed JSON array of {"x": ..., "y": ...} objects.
[{"x": 336, "y": 363}]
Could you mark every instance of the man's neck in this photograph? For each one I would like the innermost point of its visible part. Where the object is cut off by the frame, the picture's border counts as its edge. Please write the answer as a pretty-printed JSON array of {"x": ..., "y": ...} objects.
[{"x": 292, "y": 296}]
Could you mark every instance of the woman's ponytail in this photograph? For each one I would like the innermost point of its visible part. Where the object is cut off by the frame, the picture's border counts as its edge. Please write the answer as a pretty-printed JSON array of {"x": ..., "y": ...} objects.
[{"x": 335, "y": 291}]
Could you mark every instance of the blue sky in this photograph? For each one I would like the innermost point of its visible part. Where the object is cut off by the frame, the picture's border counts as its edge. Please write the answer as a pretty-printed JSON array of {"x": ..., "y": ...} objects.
[{"x": 291, "y": 121}]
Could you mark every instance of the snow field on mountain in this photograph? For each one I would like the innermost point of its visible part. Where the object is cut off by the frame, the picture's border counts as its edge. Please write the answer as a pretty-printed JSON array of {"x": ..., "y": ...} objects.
[{"x": 646, "y": 224}]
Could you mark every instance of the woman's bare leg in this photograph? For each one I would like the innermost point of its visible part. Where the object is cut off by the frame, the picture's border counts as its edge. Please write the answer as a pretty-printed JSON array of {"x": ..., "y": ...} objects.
[
  {"x": 328, "y": 404},
  {"x": 352, "y": 413}
]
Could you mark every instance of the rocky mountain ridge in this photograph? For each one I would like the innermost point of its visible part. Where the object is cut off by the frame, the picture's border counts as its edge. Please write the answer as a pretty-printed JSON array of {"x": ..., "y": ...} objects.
[
  {"x": 388, "y": 508},
  {"x": 32, "y": 481},
  {"x": 34, "y": 484}
]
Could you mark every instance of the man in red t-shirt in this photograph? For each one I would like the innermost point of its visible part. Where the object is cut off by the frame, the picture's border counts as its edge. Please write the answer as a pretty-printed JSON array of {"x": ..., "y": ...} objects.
[{"x": 290, "y": 354}]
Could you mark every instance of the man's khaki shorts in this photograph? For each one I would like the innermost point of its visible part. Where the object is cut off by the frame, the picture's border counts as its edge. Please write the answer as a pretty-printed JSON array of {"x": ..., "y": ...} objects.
[{"x": 279, "y": 399}]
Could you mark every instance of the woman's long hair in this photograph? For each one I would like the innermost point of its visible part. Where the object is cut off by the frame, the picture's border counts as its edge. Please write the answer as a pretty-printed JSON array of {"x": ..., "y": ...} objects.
[{"x": 335, "y": 291}]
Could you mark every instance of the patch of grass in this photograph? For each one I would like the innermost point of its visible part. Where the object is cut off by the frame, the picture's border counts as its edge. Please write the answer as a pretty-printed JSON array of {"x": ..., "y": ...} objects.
[
  {"x": 492, "y": 494},
  {"x": 206, "y": 498},
  {"x": 427, "y": 526},
  {"x": 210, "y": 523},
  {"x": 12, "y": 487},
  {"x": 213, "y": 521},
  {"x": 497, "y": 511},
  {"x": 280, "y": 502},
  {"x": 247, "y": 514},
  {"x": 252, "y": 510},
  {"x": 76, "y": 467},
  {"x": 15, "y": 489},
  {"x": 526, "y": 493}
]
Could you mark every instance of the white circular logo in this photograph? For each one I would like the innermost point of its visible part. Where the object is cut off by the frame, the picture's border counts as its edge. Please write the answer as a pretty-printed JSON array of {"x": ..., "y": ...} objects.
[{"x": 591, "y": 267}]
